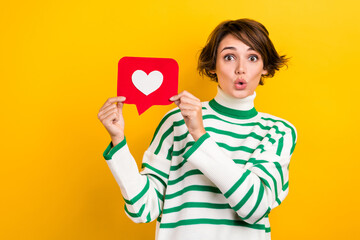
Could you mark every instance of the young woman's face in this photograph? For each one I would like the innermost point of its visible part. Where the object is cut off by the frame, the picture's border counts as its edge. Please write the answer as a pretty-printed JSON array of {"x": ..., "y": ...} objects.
[{"x": 238, "y": 67}]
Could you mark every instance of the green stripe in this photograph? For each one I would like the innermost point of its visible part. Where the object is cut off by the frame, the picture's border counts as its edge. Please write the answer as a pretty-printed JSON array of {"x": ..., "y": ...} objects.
[
  {"x": 240, "y": 136},
  {"x": 267, "y": 230},
  {"x": 137, "y": 197},
  {"x": 260, "y": 196},
  {"x": 237, "y": 184},
  {"x": 157, "y": 178},
  {"x": 279, "y": 169},
  {"x": 240, "y": 161},
  {"x": 237, "y": 148},
  {"x": 264, "y": 215},
  {"x": 179, "y": 123},
  {"x": 176, "y": 167},
  {"x": 169, "y": 155},
  {"x": 109, "y": 151},
  {"x": 162, "y": 122},
  {"x": 261, "y": 167},
  {"x": 212, "y": 222},
  {"x": 229, "y": 112},
  {"x": 187, "y": 174},
  {"x": 196, "y": 145},
  {"x": 159, "y": 195},
  {"x": 270, "y": 138},
  {"x": 163, "y": 137},
  {"x": 261, "y": 146},
  {"x": 293, "y": 134},
  {"x": 265, "y": 182},
  {"x": 181, "y": 137},
  {"x": 197, "y": 205},
  {"x": 244, "y": 199},
  {"x": 199, "y": 188},
  {"x": 251, "y": 124},
  {"x": 234, "y": 135},
  {"x": 255, "y": 161},
  {"x": 155, "y": 170},
  {"x": 280, "y": 146},
  {"x": 277, "y": 130},
  {"x": 285, "y": 186},
  {"x": 181, "y": 151},
  {"x": 134, "y": 215},
  {"x": 148, "y": 218}
]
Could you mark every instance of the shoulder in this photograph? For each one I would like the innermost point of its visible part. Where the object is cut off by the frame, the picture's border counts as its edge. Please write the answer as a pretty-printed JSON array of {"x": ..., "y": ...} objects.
[{"x": 280, "y": 123}]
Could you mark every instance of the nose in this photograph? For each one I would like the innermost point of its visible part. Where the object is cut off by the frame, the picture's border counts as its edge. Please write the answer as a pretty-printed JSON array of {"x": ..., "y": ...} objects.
[{"x": 240, "y": 68}]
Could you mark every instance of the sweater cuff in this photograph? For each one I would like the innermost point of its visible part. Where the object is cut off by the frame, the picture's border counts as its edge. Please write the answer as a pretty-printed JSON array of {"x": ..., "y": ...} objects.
[
  {"x": 196, "y": 145},
  {"x": 110, "y": 150}
]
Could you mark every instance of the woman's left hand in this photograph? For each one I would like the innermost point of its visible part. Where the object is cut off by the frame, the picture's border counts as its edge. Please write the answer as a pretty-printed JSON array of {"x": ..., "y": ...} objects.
[{"x": 190, "y": 108}]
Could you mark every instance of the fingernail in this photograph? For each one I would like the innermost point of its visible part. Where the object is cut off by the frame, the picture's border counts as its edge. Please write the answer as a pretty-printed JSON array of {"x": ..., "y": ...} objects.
[{"x": 171, "y": 99}]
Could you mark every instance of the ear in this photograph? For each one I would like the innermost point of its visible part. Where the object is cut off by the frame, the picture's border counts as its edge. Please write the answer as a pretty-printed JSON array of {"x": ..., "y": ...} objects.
[{"x": 264, "y": 72}]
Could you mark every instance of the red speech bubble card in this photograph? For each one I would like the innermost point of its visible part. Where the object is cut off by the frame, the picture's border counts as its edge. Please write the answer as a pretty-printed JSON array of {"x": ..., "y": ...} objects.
[{"x": 147, "y": 81}]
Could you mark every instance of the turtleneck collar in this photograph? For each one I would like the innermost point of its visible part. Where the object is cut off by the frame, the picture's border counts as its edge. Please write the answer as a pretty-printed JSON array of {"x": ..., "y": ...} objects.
[{"x": 241, "y": 108}]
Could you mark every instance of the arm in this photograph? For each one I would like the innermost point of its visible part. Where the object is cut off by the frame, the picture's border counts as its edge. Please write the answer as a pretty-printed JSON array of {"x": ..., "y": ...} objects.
[
  {"x": 252, "y": 191},
  {"x": 142, "y": 191}
]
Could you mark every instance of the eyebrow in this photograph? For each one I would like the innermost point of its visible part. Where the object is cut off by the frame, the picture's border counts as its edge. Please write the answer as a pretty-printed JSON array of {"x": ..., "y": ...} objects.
[{"x": 234, "y": 48}]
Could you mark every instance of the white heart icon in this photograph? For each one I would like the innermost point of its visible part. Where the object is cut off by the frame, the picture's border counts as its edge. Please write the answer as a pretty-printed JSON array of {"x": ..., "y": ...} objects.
[{"x": 147, "y": 83}]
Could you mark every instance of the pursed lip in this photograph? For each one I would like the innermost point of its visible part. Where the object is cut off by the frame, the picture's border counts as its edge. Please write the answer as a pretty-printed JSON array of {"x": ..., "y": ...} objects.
[
  {"x": 240, "y": 81},
  {"x": 240, "y": 84}
]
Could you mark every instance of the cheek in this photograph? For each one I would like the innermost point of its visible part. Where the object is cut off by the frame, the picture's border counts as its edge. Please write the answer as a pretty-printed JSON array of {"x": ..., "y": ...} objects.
[
  {"x": 257, "y": 72},
  {"x": 224, "y": 82},
  {"x": 225, "y": 70}
]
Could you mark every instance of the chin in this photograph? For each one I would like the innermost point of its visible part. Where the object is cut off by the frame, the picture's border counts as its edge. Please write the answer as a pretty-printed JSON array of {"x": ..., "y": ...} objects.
[{"x": 241, "y": 94}]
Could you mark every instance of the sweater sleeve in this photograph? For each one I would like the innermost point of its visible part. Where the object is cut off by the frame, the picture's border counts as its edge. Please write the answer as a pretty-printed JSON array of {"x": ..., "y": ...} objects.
[
  {"x": 143, "y": 191},
  {"x": 256, "y": 188}
]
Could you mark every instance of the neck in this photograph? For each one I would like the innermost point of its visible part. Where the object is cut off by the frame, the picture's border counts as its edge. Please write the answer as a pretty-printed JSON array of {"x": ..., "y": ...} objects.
[{"x": 242, "y": 108}]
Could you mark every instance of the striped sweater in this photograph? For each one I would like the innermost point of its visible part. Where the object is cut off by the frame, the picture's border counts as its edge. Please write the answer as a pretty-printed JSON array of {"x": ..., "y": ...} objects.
[{"x": 222, "y": 186}]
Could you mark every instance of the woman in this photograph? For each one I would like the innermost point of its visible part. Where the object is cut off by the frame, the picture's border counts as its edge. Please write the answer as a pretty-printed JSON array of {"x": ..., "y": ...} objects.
[{"x": 213, "y": 170}]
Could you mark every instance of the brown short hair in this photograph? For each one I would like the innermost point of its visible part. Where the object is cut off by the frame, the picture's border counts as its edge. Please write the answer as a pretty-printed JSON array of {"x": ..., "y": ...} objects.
[{"x": 251, "y": 33}]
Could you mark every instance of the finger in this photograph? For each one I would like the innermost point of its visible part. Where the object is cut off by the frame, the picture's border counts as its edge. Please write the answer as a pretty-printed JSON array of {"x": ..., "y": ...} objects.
[
  {"x": 111, "y": 118},
  {"x": 188, "y": 100},
  {"x": 188, "y": 104},
  {"x": 113, "y": 100},
  {"x": 177, "y": 97},
  {"x": 183, "y": 94},
  {"x": 177, "y": 102},
  {"x": 106, "y": 109},
  {"x": 185, "y": 106},
  {"x": 108, "y": 113}
]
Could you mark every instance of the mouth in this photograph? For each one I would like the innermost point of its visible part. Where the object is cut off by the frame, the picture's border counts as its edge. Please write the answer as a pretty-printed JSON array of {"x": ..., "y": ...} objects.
[{"x": 240, "y": 84}]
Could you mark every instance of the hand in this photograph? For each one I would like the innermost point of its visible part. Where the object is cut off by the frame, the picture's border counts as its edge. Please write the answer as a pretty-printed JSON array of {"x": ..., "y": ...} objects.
[
  {"x": 111, "y": 117},
  {"x": 190, "y": 108}
]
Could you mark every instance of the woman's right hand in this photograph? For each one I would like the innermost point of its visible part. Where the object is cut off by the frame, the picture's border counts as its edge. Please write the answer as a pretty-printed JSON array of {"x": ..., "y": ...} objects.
[{"x": 110, "y": 115}]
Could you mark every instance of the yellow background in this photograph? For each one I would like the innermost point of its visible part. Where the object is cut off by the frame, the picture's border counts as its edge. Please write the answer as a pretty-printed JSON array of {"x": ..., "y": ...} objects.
[{"x": 58, "y": 65}]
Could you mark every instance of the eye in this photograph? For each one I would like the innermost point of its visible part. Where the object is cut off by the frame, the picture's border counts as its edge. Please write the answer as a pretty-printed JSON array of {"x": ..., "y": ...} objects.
[
  {"x": 229, "y": 57},
  {"x": 253, "y": 58}
]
